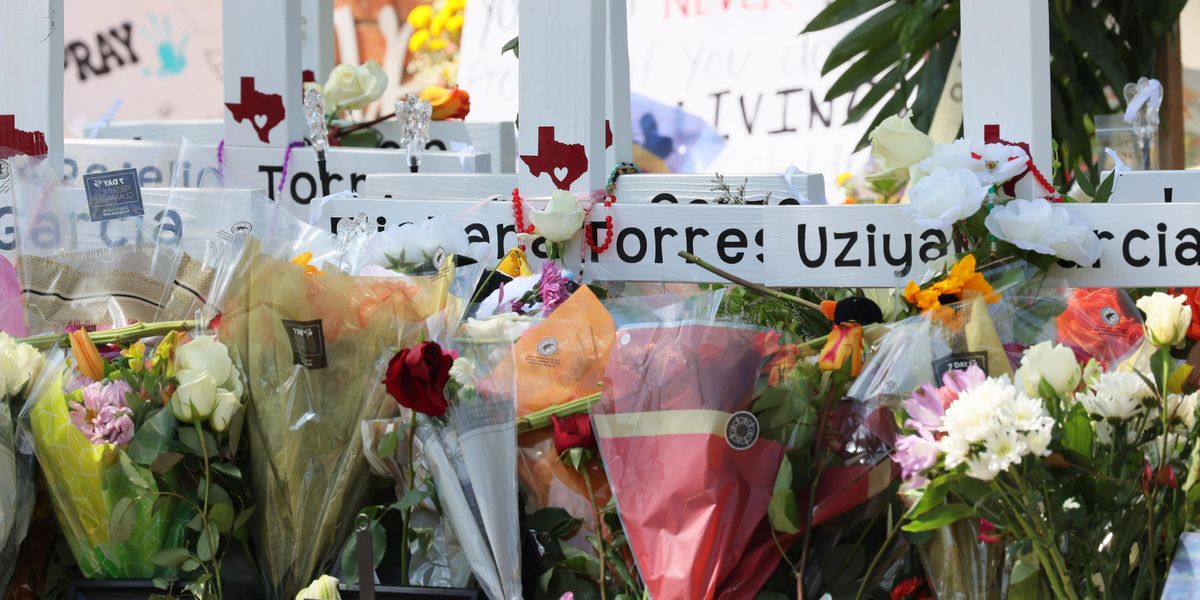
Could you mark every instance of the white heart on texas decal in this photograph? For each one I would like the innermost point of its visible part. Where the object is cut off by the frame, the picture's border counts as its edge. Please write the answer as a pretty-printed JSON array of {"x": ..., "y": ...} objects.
[
  {"x": 260, "y": 121},
  {"x": 560, "y": 173}
]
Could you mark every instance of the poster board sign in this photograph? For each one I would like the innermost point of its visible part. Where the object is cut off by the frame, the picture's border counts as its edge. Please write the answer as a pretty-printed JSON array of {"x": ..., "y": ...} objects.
[
  {"x": 737, "y": 67},
  {"x": 131, "y": 58}
]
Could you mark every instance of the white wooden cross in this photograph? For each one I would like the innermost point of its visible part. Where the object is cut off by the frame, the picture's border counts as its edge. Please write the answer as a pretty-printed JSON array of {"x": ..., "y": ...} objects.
[{"x": 1006, "y": 77}]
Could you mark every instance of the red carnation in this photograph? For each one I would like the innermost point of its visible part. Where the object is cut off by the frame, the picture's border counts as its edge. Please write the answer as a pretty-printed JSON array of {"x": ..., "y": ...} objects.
[
  {"x": 911, "y": 589},
  {"x": 417, "y": 376},
  {"x": 574, "y": 431},
  {"x": 986, "y": 535}
]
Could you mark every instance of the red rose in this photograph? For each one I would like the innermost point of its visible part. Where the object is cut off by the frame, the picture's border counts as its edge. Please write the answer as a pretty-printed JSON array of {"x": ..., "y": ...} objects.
[
  {"x": 574, "y": 431},
  {"x": 417, "y": 376},
  {"x": 910, "y": 589}
]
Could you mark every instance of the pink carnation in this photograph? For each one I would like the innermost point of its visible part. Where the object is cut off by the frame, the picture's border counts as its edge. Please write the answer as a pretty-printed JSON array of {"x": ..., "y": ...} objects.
[{"x": 104, "y": 415}]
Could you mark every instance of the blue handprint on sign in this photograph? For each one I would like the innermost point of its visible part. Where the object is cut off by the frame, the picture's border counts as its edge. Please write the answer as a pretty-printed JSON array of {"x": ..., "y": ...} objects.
[{"x": 171, "y": 57}]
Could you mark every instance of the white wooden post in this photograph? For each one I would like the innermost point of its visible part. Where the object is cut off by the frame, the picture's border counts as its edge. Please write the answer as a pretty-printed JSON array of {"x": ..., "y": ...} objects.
[
  {"x": 263, "y": 83},
  {"x": 562, "y": 91},
  {"x": 316, "y": 38},
  {"x": 617, "y": 77},
  {"x": 31, "y": 97},
  {"x": 1006, "y": 77}
]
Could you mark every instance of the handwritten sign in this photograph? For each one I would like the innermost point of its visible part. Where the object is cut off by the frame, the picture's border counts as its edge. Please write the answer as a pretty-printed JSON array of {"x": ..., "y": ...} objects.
[{"x": 738, "y": 66}]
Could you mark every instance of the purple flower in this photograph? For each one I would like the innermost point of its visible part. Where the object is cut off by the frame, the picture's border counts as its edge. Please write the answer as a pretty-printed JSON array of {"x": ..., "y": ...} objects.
[
  {"x": 104, "y": 416},
  {"x": 915, "y": 453},
  {"x": 961, "y": 381},
  {"x": 924, "y": 408},
  {"x": 553, "y": 286}
]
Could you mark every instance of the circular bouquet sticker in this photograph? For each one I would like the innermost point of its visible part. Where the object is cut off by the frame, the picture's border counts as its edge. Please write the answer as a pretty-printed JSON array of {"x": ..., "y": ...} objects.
[{"x": 741, "y": 430}]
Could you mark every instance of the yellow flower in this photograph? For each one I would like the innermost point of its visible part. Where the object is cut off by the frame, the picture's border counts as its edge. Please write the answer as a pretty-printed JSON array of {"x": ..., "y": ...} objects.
[
  {"x": 164, "y": 354},
  {"x": 843, "y": 178},
  {"x": 136, "y": 355},
  {"x": 420, "y": 16},
  {"x": 961, "y": 283},
  {"x": 303, "y": 259},
  {"x": 845, "y": 343},
  {"x": 418, "y": 39},
  {"x": 515, "y": 264},
  {"x": 454, "y": 24}
]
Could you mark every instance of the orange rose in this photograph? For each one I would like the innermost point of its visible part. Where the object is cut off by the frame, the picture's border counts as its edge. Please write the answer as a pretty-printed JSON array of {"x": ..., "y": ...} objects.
[{"x": 448, "y": 103}]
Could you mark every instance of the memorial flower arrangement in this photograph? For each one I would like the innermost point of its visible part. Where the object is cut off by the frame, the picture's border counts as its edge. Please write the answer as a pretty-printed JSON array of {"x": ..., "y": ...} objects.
[
  {"x": 1084, "y": 471},
  {"x": 20, "y": 366},
  {"x": 968, "y": 187},
  {"x": 139, "y": 448}
]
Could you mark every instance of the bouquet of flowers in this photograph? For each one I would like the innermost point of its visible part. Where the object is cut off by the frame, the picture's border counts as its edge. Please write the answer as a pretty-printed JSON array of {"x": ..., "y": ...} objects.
[
  {"x": 306, "y": 326},
  {"x": 697, "y": 425},
  {"x": 20, "y": 366},
  {"x": 463, "y": 404},
  {"x": 1086, "y": 469},
  {"x": 137, "y": 446}
]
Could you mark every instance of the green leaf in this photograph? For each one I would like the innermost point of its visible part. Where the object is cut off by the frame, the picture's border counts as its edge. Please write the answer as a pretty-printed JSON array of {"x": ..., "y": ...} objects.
[
  {"x": 121, "y": 521},
  {"x": 939, "y": 517},
  {"x": 243, "y": 517},
  {"x": 555, "y": 522},
  {"x": 1085, "y": 183},
  {"x": 153, "y": 438},
  {"x": 171, "y": 557},
  {"x": 1025, "y": 567},
  {"x": 1077, "y": 433},
  {"x": 221, "y": 515},
  {"x": 191, "y": 441},
  {"x": 875, "y": 32},
  {"x": 135, "y": 476},
  {"x": 410, "y": 499},
  {"x": 387, "y": 444},
  {"x": 227, "y": 469},
  {"x": 514, "y": 45},
  {"x": 782, "y": 510},
  {"x": 190, "y": 565},
  {"x": 210, "y": 540},
  {"x": 934, "y": 496},
  {"x": 838, "y": 12}
]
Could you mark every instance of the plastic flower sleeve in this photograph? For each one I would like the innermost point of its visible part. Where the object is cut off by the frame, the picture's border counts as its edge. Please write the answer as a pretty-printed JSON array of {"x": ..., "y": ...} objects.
[
  {"x": 691, "y": 482},
  {"x": 12, "y": 311},
  {"x": 306, "y": 333},
  {"x": 80, "y": 271},
  {"x": 113, "y": 527},
  {"x": 16, "y": 491},
  {"x": 473, "y": 459}
]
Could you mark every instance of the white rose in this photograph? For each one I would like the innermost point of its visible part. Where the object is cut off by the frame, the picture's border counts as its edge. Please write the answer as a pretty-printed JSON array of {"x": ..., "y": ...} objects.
[
  {"x": 561, "y": 219},
  {"x": 897, "y": 144},
  {"x": 196, "y": 396},
  {"x": 227, "y": 406},
  {"x": 205, "y": 354},
  {"x": 352, "y": 87},
  {"x": 234, "y": 384},
  {"x": 1167, "y": 318},
  {"x": 29, "y": 364},
  {"x": 8, "y": 365},
  {"x": 1052, "y": 362},
  {"x": 962, "y": 154},
  {"x": 945, "y": 196},
  {"x": 1045, "y": 228},
  {"x": 1001, "y": 162}
]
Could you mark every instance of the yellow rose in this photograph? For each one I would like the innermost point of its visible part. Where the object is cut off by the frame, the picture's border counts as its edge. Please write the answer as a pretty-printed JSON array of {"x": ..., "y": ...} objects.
[
  {"x": 897, "y": 144},
  {"x": 353, "y": 87}
]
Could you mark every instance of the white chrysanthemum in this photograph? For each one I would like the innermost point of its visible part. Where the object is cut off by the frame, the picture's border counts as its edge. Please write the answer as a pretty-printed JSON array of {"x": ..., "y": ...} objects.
[
  {"x": 954, "y": 450},
  {"x": 1070, "y": 504},
  {"x": 981, "y": 468},
  {"x": 1038, "y": 438},
  {"x": 1024, "y": 413},
  {"x": 1183, "y": 408},
  {"x": 974, "y": 414},
  {"x": 1004, "y": 448},
  {"x": 1117, "y": 395}
]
